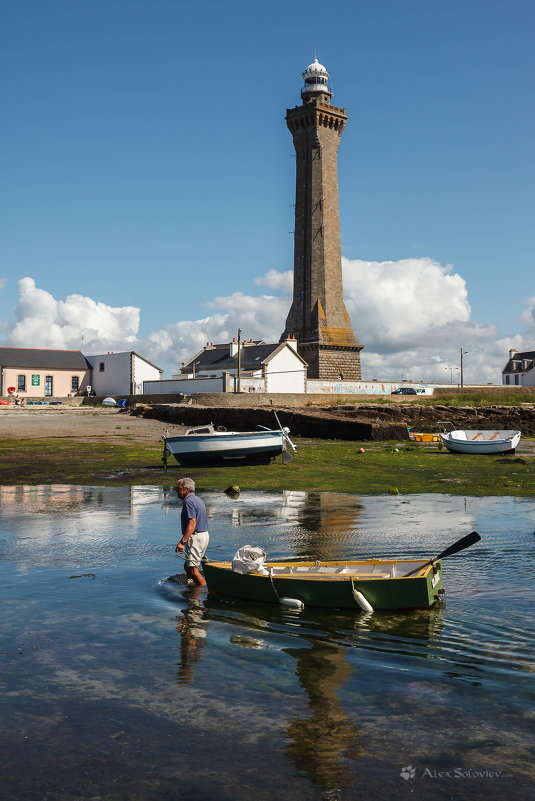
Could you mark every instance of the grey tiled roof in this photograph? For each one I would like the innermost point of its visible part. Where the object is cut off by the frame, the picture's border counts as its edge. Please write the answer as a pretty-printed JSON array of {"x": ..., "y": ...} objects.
[
  {"x": 29, "y": 358},
  {"x": 219, "y": 358},
  {"x": 527, "y": 355}
]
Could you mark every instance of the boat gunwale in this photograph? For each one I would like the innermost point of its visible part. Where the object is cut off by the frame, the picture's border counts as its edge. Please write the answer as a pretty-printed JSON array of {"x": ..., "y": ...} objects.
[{"x": 324, "y": 576}]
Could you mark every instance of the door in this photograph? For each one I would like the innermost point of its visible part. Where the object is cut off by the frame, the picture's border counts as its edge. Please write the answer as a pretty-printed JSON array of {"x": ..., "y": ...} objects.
[{"x": 48, "y": 386}]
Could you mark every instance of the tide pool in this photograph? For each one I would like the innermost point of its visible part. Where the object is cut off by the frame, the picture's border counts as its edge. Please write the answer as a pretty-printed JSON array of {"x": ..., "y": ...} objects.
[{"x": 120, "y": 682}]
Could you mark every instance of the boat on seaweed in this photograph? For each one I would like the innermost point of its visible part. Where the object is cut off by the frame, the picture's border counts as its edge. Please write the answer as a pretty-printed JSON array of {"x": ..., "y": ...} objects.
[
  {"x": 365, "y": 584},
  {"x": 422, "y": 436},
  {"x": 209, "y": 445},
  {"x": 480, "y": 440}
]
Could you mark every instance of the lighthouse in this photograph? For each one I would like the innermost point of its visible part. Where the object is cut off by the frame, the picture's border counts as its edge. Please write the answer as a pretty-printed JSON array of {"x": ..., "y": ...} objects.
[{"x": 318, "y": 317}]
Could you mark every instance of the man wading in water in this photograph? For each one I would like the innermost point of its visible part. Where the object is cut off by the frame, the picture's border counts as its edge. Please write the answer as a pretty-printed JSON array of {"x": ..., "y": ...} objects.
[{"x": 194, "y": 524}]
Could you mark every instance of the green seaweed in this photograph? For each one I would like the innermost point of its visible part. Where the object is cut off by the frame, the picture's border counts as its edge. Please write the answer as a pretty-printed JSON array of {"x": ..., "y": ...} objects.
[{"x": 318, "y": 465}]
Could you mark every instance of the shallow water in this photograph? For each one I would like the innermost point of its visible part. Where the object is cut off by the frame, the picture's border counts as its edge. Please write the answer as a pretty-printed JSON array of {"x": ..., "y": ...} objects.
[{"x": 119, "y": 682}]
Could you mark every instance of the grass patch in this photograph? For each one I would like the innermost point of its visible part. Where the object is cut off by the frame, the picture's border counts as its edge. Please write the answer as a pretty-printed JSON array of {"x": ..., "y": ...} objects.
[
  {"x": 319, "y": 465},
  {"x": 468, "y": 398}
]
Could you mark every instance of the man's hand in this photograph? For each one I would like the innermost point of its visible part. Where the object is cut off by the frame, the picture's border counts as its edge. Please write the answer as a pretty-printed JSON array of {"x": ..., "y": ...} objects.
[{"x": 180, "y": 547}]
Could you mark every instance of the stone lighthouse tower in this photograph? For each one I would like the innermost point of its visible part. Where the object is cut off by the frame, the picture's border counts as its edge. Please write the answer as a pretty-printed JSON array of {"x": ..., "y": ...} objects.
[{"x": 318, "y": 317}]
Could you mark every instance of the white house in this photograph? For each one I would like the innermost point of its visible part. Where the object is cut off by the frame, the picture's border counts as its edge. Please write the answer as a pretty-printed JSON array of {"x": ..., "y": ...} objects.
[
  {"x": 255, "y": 366},
  {"x": 520, "y": 369},
  {"x": 279, "y": 365},
  {"x": 121, "y": 373}
]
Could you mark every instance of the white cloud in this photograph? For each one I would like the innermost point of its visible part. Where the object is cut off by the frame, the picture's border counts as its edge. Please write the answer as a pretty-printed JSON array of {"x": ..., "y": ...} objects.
[
  {"x": 412, "y": 315},
  {"x": 276, "y": 280},
  {"x": 3, "y": 282},
  {"x": 258, "y": 317},
  {"x": 529, "y": 318},
  {"x": 46, "y": 322}
]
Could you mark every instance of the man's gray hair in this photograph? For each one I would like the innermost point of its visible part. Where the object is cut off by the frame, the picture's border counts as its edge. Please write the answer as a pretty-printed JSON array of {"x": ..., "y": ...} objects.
[{"x": 187, "y": 483}]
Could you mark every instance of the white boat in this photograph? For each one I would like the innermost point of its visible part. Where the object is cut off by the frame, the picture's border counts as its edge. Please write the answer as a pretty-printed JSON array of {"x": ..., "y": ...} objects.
[
  {"x": 210, "y": 445},
  {"x": 480, "y": 441}
]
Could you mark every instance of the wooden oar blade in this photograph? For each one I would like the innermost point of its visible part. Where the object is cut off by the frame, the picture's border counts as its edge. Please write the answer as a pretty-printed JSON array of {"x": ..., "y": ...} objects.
[{"x": 460, "y": 545}]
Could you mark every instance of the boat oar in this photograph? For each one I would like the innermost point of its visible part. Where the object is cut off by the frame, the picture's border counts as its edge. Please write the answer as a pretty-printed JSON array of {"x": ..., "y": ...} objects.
[
  {"x": 460, "y": 545},
  {"x": 284, "y": 432},
  {"x": 286, "y": 455}
]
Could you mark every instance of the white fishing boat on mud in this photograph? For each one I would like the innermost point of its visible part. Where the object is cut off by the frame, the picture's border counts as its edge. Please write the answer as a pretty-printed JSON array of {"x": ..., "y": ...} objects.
[
  {"x": 210, "y": 445},
  {"x": 480, "y": 441}
]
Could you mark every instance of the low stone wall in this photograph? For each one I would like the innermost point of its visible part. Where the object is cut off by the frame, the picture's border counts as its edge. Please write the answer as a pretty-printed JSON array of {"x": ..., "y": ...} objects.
[
  {"x": 242, "y": 400},
  {"x": 300, "y": 422}
]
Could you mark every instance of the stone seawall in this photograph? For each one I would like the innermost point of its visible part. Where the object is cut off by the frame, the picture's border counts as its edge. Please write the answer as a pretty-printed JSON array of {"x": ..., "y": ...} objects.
[
  {"x": 371, "y": 422},
  {"x": 300, "y": 422}
]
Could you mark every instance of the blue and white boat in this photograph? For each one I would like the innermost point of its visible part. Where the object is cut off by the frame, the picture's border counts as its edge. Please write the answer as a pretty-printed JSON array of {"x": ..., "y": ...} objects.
[{"x": 210, "y": 445}]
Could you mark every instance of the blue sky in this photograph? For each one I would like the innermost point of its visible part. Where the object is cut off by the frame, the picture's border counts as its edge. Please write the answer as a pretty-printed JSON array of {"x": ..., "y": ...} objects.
[{"x": 146, "y": 168}]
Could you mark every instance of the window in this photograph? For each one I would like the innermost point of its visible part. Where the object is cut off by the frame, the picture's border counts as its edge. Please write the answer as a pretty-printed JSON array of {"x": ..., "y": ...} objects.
[
  {"x": 506, "y": 379},
  {"x": 101, "y": 367},
  {"x": 75, "y": 383},
  {"x": 21, "y": 383}
]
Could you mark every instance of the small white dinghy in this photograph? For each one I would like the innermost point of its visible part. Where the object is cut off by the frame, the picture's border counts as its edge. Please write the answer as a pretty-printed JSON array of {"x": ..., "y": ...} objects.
[
  {"x": 109, "y": 402},
  {"x": 480, "y": 441}
]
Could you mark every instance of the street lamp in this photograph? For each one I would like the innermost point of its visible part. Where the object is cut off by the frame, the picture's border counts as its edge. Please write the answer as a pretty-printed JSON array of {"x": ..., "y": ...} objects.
[
  {"x": 451, "y": 369},
  {"x": 463, "y": 353},
  {"x": 239, "y": 360}
]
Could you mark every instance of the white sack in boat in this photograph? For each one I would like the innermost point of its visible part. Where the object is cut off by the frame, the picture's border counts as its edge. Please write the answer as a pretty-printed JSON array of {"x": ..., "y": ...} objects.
[{"x": 248, "y": 558}]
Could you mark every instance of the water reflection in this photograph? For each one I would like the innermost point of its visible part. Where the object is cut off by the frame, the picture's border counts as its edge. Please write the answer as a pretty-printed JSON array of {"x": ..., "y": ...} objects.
[
  {"x": 324, "y": 740},
  {"x": 322, "y": 743},
  {"x": 287, "y": 705},
  {"x": 192, "y": 628}
]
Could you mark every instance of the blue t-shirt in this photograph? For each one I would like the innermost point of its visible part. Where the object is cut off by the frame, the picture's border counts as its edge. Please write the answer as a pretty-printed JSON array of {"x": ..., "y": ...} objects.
[{"x": 193, "y": 507}]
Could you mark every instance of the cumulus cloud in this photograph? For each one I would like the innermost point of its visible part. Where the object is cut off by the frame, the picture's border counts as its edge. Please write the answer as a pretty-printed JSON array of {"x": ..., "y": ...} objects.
[
  {"x": 412, "y": 315},
  {"x": 259, "y": 318},
  {"x": 3, "y": 282},
  {"x": 44, "y": 321},
  {"x": 528, "y": 317},
  {"x": 273, "y": 279}
]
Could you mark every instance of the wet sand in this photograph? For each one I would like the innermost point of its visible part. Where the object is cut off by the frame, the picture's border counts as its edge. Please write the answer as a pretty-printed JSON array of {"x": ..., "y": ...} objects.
[{"x": 78, "y": 422}]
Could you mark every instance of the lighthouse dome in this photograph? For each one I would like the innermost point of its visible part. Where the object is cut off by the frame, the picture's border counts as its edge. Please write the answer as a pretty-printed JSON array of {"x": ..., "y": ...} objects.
[
  {"x": 315, "y": 69},
  {"x": 316, "y": 77}
]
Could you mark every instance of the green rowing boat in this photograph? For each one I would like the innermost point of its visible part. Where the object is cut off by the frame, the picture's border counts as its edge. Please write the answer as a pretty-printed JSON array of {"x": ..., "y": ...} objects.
[{"x": 365, "y": 584}]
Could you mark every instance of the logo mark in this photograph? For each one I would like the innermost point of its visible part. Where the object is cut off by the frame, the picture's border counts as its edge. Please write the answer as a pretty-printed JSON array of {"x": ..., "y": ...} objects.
[{"x": 408, "y": 773}]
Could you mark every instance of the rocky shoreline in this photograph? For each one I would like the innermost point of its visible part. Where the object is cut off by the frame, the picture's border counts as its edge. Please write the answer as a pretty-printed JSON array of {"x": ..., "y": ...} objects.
[{"x": 373, "y": 422}]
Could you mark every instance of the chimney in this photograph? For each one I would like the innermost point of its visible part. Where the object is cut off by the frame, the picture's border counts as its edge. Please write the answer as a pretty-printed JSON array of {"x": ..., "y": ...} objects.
[
  {"x": 512, "y": 353},
  {"x": 292, "y": 342},
  {"x": 233, "y": 347}
]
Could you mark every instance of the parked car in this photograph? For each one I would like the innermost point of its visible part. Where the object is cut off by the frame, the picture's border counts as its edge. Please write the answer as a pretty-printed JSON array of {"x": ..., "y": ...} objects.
[{"x": 404, "y": 391}]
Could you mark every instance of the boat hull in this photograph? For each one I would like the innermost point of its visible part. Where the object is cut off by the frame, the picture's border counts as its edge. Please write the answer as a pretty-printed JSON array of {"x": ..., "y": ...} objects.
[
  {"x": 254, "y": 447},
  {"x": 334, "y": 590},
  {"x": 480, "y": 442}
]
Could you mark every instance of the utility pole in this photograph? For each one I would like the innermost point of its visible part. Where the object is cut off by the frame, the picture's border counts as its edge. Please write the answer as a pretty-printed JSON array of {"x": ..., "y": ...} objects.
[
  {"x": 451, "y": 369},
  {"x": 239, "y": 360},
  {"x": 463, "y": 353}
]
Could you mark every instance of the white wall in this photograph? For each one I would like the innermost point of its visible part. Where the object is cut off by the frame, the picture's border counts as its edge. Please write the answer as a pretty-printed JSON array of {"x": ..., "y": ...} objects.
[
  {"x": 528, "y": 378},
  {"x": 285, "y": 372},
  {"x": 115, "y": 380},
  {"x": 321, "y": 387},
  {"x": 142, "y": 371},
  {"x": 187, "y": 386}
]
